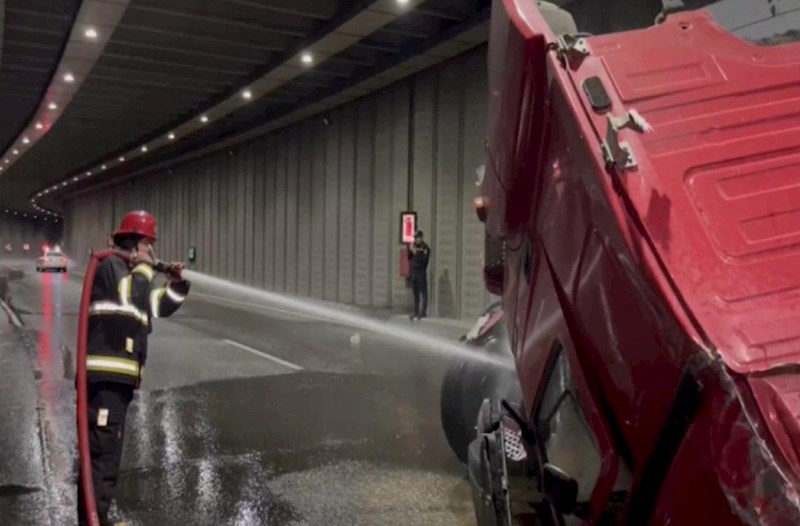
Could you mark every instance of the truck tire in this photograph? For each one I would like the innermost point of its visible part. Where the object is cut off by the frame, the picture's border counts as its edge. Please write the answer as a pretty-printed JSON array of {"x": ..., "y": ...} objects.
[{"x": 459, "y": 428}]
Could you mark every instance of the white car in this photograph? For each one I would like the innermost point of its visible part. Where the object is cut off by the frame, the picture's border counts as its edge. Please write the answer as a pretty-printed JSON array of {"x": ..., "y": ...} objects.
[{"x": 52, "y": 261}]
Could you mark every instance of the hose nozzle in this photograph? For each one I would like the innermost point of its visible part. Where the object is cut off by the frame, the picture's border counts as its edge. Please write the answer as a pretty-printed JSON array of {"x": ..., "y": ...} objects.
[
  {"x": 161, "y": 266},
  {"x": 172, "y": 269}
]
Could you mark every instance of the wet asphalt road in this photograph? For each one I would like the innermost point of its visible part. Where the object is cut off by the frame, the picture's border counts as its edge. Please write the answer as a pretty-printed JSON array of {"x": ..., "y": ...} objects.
[{"x": 251, "y": 416}]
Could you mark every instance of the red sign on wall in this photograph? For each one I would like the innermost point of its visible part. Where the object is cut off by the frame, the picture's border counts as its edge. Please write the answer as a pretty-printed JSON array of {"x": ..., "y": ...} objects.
[{"x": 408, "y": 226}]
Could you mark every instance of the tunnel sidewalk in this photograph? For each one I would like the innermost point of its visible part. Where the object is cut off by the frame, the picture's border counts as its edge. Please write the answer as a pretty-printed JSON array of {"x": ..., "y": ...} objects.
[{"x": 23, "y": 491}]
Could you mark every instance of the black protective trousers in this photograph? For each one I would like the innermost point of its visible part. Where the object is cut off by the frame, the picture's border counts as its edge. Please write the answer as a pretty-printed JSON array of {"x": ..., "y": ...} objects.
[
  {"x": 108, "y": 407},
  {"x": 419, "y": 284}
]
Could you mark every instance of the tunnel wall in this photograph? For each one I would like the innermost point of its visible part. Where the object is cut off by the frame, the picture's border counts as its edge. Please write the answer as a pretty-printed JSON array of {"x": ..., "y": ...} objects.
[
  {"x": 18, "y": 231},
  {"x": 313, "y": 209}
]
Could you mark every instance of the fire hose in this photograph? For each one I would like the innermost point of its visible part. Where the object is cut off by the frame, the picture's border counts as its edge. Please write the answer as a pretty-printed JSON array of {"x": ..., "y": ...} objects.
[{"x": 82, "y": 409}]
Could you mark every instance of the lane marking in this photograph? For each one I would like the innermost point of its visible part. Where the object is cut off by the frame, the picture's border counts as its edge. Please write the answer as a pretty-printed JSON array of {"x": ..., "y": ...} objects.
[
  {"x": 209, "y": 297},
  {"x": 263, "y": 355}
]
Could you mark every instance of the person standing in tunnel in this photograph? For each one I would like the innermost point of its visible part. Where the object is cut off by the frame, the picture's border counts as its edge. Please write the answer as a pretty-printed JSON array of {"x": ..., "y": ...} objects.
[
  {"x": 419, "y": 253},
  {"x": 123, "y": 307}
]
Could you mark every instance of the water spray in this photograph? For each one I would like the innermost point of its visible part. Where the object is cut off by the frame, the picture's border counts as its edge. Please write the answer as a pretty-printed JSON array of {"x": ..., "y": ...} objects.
[{"x": 293, "y": 305}]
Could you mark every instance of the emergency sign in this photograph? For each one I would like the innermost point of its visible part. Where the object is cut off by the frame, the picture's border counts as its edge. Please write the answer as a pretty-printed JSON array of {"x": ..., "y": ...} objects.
[{"x": 408, "y": 227}]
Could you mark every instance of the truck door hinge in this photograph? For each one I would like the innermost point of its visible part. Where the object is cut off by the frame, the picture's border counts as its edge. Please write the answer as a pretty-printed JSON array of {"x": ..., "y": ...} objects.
[
  {"x": 618, "y": 154},
  {"x": 571, "y": 48}
]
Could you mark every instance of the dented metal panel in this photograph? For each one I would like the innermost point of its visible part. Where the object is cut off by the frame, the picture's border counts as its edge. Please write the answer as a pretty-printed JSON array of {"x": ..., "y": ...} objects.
[{"x": 716, "y": 187}]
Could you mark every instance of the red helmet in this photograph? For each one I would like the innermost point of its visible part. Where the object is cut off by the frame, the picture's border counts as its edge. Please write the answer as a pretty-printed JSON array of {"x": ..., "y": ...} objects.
[{"x": 140, "y": 223}]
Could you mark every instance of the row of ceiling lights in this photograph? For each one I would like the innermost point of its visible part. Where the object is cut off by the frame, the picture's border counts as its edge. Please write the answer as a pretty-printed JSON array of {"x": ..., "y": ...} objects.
[
  {"x": 306, "y": 58},
  {"x": 91, "y": 34},
  {"x": 69, "y": 78},
  {"x": 24, "y": 214}
]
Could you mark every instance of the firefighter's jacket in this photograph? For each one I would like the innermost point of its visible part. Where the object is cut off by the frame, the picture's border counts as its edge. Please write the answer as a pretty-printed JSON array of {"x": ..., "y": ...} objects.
[{"x": 124, "y": 305}]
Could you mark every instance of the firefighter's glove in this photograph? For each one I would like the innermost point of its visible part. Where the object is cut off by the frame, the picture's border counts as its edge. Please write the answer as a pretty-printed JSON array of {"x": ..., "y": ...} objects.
[{"x": 175, "y": 270}]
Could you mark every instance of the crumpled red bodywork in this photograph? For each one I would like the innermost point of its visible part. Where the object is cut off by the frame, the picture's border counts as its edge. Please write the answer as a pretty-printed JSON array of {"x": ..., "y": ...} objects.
[{"x": 656, "y": 238}]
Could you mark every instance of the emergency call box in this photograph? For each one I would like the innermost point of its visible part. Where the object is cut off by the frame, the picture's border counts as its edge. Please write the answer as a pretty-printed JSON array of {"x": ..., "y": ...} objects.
[
  {"x": 408, "y": 227},
  {"x": 192, "y": 254}
]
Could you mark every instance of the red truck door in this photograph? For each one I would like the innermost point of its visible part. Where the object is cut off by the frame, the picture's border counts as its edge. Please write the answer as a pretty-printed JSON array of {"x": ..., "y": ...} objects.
[{"x": 572, "y": 432}]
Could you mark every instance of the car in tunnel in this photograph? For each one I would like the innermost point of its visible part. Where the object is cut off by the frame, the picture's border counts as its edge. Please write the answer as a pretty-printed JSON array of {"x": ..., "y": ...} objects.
[{"x": 52, "y": 260}]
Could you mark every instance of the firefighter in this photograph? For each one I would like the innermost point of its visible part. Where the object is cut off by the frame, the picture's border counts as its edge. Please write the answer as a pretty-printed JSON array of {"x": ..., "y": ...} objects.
[
  {"x": 419, "y": 253},
  {"x": 124, "y": 305}
]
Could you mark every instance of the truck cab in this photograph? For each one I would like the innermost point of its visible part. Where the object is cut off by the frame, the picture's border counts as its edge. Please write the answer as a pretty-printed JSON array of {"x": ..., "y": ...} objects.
[{"x": 641, "y": 205}]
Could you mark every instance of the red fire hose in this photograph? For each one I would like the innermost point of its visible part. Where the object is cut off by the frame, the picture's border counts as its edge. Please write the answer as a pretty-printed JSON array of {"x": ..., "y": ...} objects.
[{"x": 84, "y": 456}]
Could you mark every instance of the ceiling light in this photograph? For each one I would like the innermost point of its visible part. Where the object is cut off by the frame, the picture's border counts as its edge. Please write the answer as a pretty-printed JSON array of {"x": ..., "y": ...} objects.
[
  {"x": 144, "y": 149},
  {"x": 25, "y": 140},
  {"x": 69, "y": 78},
  {"x": 6, "y": 161},
  {"x": 122, "y": 159},
  {"x": 52, "y": 106},
  {"x": 15, "y": 152},
  {"x": 91, "y": 33},
  {"x": 39, "y": 126},
  {"x": 1, "y": 168},
  {"x": 402, "y": 2},
  {"x": 247, "y": 94},
  {"x": 64, "y": 184},
  {"x": 171, "y": 136},
  {"x": 88, "y": 173},
  {"x": 307, "y": 58},
  {"x": 76, "y": 177},
  {"x": 204, "y": 118},
  {"x": 103, "y": 167}
]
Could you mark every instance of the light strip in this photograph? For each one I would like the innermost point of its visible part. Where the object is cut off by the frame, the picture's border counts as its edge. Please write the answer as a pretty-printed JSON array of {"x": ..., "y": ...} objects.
[
  {"x": 461, "y": 43},
  {"x": 365, "y": 23},
  {"x": 77, "y": 61}
]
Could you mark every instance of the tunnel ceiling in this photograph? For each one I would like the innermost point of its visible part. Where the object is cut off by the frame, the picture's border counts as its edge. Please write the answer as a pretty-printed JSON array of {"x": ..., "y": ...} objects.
[
  {"x": 168, "y": 62},
  {"x": 33, "y": 36}
]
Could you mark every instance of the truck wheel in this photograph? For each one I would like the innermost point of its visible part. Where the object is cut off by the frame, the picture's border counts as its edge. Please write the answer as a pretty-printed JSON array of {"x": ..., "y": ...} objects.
[{"x": 458, "y": 429}]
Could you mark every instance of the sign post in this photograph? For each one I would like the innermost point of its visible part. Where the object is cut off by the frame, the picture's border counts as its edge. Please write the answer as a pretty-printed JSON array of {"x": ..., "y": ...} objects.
[{"x": 408, "y": 227}]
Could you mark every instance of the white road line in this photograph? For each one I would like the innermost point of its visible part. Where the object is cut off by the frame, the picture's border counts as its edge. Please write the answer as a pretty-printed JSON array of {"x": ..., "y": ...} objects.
[
  {"x": 285, "y": 312},
  {"x": 263, "y": 355}
]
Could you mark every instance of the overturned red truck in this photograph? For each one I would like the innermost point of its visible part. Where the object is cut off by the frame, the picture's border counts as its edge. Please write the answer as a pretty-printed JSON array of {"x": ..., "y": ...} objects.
[{"x": 642, "y": 212}]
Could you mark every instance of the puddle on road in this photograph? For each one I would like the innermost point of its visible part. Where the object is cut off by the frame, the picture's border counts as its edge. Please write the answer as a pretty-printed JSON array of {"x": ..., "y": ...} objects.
[{"x": 255, "y": 451}]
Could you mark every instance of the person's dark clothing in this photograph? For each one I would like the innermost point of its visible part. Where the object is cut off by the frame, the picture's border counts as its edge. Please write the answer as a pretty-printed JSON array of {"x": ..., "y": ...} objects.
[
  {"x": 419, "y": 286},
  {"x": 121, "y": 316},
  {"x": 108, "y": 405},
  {"x": 419, "y": 278}
]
